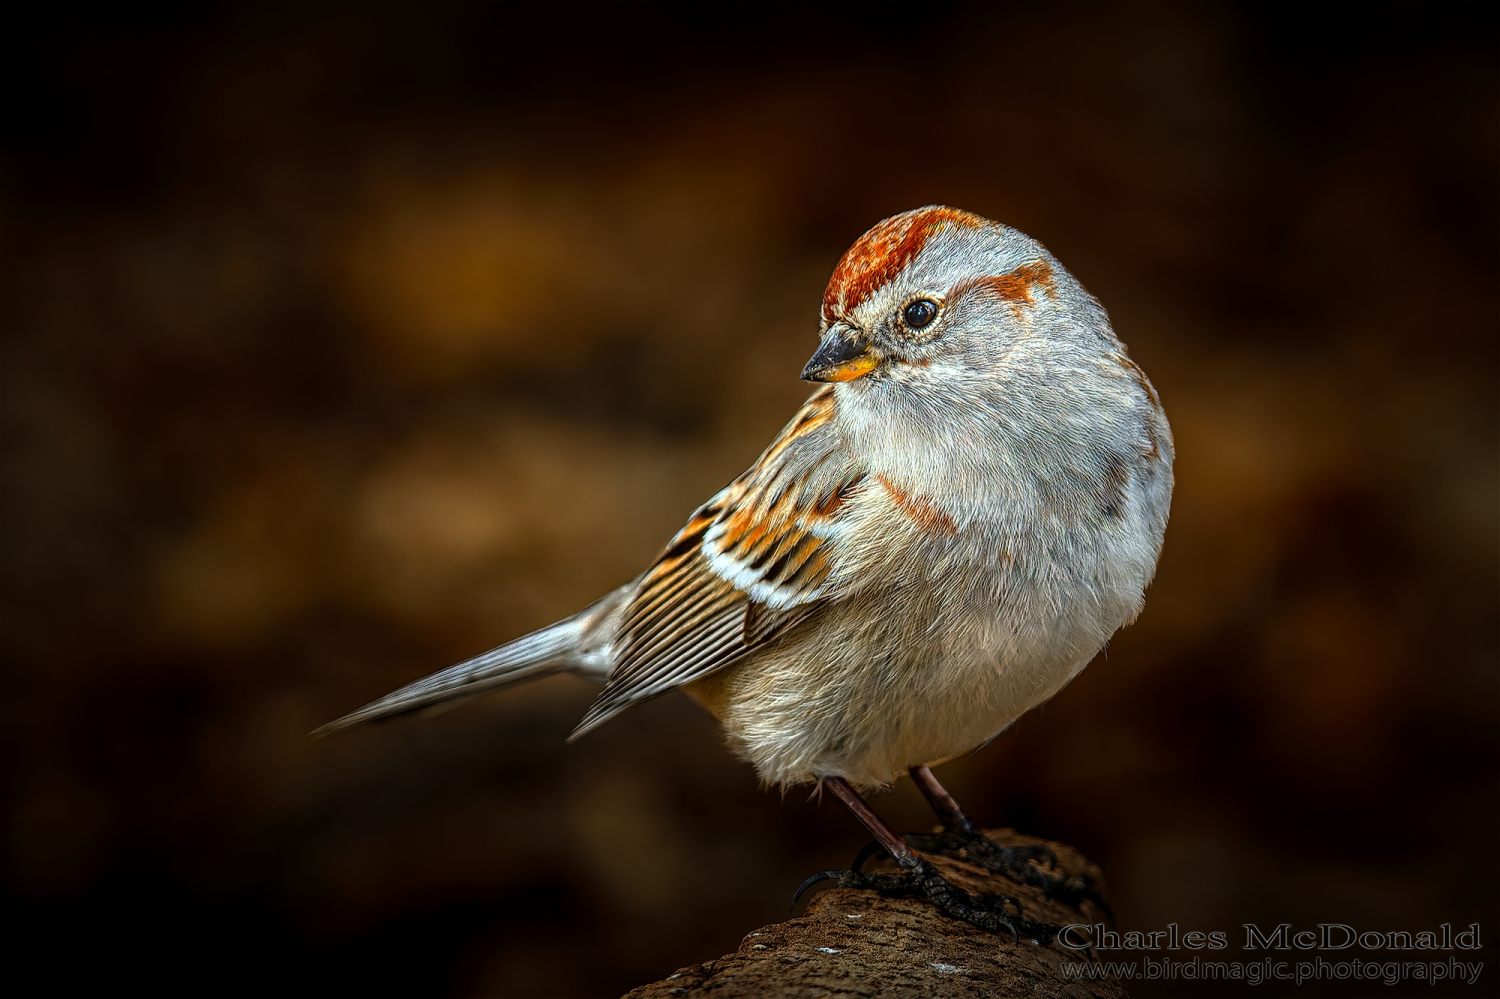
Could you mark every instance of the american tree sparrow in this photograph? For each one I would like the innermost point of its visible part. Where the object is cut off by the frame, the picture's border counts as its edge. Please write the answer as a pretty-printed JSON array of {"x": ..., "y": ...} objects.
[{"x": 944, "y": 536}]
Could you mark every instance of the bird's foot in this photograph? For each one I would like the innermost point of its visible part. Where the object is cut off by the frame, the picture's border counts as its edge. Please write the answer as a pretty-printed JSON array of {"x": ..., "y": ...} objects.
[
  {"x": 995, "y": 913},
  {"x": 1022, "y": 864}
]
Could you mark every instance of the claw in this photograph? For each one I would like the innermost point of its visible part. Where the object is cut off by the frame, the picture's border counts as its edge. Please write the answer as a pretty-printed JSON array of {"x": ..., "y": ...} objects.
[
  {"x": 815, "y": 879},
  {"x": 1017, "y": 863},
  {"x": 870, "y": 849},
  {"x": 991, "y": 913}
]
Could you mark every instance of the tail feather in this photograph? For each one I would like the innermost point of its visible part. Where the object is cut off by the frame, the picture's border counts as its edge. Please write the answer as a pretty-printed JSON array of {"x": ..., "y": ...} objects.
[{"x": 579, "y": 644}]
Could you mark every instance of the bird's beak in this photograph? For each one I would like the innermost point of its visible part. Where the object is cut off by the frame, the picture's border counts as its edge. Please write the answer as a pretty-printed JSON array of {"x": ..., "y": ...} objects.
[{"x": 843, "y": 356}]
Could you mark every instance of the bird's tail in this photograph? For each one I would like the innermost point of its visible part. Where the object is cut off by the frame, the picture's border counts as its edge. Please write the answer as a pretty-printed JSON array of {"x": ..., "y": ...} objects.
[{"x": 580, "y": 644}]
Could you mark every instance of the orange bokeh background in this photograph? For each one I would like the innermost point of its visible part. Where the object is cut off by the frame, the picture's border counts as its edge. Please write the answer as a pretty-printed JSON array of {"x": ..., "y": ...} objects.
[{"x": 344, "y": 342}]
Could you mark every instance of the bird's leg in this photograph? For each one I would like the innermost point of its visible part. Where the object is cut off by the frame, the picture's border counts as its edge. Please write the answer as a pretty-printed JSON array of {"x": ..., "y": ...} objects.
[
  {"x": 900, "y": 851},
  {"x": 958, "y": 830},
  {"x": 954, "y": 818},
  {"x": 995, "y": 913},
  {"x": 962, "y": 839}
]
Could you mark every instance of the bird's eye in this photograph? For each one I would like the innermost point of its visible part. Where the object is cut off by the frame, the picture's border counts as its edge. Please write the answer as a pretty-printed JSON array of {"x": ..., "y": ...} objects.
[{"x": 920, "y": 313}]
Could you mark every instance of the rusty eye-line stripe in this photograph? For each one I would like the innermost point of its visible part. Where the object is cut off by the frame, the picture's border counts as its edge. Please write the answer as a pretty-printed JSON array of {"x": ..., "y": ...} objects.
[{"x": 1014, "y": 286}]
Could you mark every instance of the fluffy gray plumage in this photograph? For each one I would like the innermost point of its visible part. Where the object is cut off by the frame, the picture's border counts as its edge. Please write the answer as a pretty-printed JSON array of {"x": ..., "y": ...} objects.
[{"x": 943, "y": 537}]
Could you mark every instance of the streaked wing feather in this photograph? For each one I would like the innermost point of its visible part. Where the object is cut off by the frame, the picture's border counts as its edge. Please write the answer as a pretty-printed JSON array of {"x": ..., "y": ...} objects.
[
  {"x": 762, "y": 623},
  {"x": 749, "y": 565}
]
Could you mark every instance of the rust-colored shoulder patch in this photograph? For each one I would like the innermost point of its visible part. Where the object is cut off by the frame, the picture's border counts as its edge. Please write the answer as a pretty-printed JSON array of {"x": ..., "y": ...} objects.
[
  {"x": 878, "y": 255},
  {"x": 919, "y": 510}
]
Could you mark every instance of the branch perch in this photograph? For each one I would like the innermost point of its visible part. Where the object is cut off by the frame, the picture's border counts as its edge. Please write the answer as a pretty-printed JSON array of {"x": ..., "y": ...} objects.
[{"x": 859, "y": 943}]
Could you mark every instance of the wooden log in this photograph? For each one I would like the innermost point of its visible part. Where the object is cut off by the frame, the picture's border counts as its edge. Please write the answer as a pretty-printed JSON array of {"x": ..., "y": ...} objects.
[{"x": 860, "y": 943}]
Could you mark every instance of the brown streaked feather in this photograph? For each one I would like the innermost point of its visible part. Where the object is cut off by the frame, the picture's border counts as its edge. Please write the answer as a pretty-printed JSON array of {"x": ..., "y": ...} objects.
[
  {"x": 762, "y": 624},
  {"x": 749, "y": 565}
]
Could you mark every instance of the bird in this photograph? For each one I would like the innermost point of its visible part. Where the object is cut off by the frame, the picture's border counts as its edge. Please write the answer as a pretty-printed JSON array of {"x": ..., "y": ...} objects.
[{"x": 966, "y": 509}]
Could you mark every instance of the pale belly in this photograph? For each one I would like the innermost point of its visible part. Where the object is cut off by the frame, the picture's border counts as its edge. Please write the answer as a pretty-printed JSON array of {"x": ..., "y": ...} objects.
[{"x": 878, "y": 685}]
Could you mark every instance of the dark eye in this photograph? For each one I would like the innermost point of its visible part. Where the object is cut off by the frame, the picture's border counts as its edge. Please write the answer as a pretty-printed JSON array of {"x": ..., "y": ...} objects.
[{"x": 920, "y": 313}]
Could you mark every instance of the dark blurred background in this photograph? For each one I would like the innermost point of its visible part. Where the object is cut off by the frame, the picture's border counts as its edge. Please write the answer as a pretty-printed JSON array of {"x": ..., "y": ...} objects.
[{"x": 344, "y": 342}]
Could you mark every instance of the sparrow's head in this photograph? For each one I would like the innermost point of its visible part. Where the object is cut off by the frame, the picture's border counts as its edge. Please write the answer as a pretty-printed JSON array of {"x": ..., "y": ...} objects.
[{"x": 942, "y": 291}]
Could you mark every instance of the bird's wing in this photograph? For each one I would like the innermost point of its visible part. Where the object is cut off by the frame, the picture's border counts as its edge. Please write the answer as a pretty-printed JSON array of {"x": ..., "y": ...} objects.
[{"x": 751, "y": 563}]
